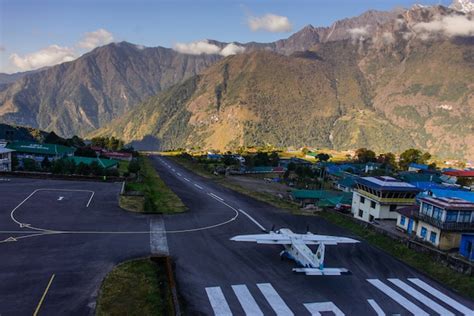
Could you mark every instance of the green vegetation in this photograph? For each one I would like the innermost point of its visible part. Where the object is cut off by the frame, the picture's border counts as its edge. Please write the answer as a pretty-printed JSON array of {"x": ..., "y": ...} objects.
[
  {"x": 138, "y": 287},
  {"x": 109, "y": 143},
  {"x": 431, "y": 90},
  {"x": 423, "y": 262},
  {"x": 158, "y": 197}
]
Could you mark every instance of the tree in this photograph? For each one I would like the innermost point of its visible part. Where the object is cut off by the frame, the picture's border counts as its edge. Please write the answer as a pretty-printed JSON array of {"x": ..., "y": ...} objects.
[
  {"x": 29, "y": 164},
  {"x": 387, "y": 159},
  {"x": 261, "y": 159},
  {"x": 323, "y": 157},
  {"x": 58, "y": 167},
  {"x": 134, "y": 166},
  {"x": 45, "y": 164},
  {"x": 291, "y": 166},
  {"x": 83, "y": 169},
  {"x": 365, "y": 155},
  {"x": 96, "y": 169},
  {"x": 85, "y": 152},
  {"x": 413, "y": 155},
  {"x": 274, "y": 159},
  {"x": 15, "y": 162}
]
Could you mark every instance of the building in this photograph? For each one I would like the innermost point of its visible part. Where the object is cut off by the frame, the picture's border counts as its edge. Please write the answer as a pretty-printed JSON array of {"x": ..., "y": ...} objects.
[
  {"x": 118, "y": 155},
  {"x": 416, "y": 167},
  {"x": 5, "y": 159},
  {"x": 406, "y": 219},
  {"x": 440, "y": 221},
  {"x": 39, "y": 152},
  {"x": 104, "y": 163},
  {"x": 321, "y": 198},
  {"x": 466, "y": 247},
  {"x": 380, "y": 197},
  {"x": 346, "y": 184},
  {"x": 456, "y": 175}
]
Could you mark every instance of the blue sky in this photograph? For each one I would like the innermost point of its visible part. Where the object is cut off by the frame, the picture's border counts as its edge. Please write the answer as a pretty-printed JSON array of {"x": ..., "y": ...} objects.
[{"x": 27, "y": 27}]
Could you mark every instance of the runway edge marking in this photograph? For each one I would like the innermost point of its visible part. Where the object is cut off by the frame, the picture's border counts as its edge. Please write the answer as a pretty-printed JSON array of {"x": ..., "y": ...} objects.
[{"x": 44, "y": 295}]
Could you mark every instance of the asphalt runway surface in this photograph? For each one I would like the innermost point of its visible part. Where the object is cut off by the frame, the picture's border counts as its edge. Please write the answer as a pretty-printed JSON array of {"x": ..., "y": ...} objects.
[
  {"x": 223, "y": 277},
  {"x": 58, "y": 240},
  {"x": 94, "y": 238}
]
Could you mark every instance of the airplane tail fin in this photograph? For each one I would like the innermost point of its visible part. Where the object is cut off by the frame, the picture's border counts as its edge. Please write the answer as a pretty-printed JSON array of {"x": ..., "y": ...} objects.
[{"x": 319, "y": 256}]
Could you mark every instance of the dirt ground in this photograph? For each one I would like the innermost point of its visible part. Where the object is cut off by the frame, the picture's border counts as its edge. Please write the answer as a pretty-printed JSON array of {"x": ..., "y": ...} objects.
[{"x": 257, "y": 183}]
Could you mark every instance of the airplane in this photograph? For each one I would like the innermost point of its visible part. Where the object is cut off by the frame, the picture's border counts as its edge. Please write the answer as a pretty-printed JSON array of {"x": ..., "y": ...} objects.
[{"x": 295, "y": 248}]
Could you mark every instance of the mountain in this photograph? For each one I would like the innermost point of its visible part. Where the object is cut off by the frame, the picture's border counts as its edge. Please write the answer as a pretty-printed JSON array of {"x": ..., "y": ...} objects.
[
  {"x": 82, "y": 95},
  {"x": 386, "y": 91},
  {"x": 10, "y": 132}
]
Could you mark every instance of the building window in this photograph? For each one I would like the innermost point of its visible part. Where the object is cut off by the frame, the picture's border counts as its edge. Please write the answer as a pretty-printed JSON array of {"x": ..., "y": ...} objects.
[
  {"x": 361, "y": 213},
  {"x": 372, "y": 204},
  {"x": 433, "y": 237},
  {"x": 452, "y": 216},
  {"x": 437, "y": 213},
  {"x": 464, "y": 216},
  {"x": 393, "y": 208},
  {"x": 423, "y": 232},
  {"x": 362, "y": 199},
  {"x": 402, "y": 220}
]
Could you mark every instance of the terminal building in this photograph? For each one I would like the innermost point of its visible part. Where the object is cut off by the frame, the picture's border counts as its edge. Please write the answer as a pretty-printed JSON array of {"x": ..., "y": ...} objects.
[
  {"x": 39, "y": 152},
  {"x": 446, "y": 223},
  {"x": 5, "y": 159},
  {"x": 380, "y": 197}
]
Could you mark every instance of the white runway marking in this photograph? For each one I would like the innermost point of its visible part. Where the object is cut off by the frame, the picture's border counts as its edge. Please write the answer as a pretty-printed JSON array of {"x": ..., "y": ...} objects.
[
  {"x": 412, "y": 308},
  {"x": 249, "y": 305},
  {"x": 441, "y": 296},
  {"x": 218, "y": 301},
  {"x": 422, "y": 298},
  {"x": 179, "y": 174},
  {"x": 60, "y": 198},
  {"x": 275, "y": 301},
  {"x": 252, "y": 219},
  {"x": 158, "y": 241},
  {"x": 378, "y": 310},
  {"x": 316, "y": 308},
  {"x": 22, "y": 225},
  {"x": 216, "y": 196},
  {"x": 173, "y": 169},
  {"x": 186, "y": 179},
  {"x": 198, "y": 186}
]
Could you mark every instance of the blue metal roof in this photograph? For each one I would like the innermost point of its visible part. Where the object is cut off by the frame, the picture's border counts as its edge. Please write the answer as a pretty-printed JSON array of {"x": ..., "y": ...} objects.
[
  {"x": 419, "y": 166},
  {"x": 465, "y": 195}
]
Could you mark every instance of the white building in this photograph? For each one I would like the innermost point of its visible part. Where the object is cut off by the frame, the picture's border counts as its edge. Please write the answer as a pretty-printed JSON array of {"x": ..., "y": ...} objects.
[
  {"x": 5, "y": 159},
  {"x": 380, "y": 197},
  {"x": 439, "y": 221}
]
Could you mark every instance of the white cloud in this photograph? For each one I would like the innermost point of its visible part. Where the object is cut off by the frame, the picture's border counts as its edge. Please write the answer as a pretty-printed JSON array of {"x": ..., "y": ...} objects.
[
  {"x": 358, "y": 32},
  {"x": 48, "y": 56},
  {"x": 204, "y": 47},
  {"x": 388, "y": 38},
  {"x": 232, "y": 49},
  {"x": 197, "y": 48},
  {"x": 94, "y": 39},
  {"x": 270, "y": 23},
  {"x": 459, "y": 25}
]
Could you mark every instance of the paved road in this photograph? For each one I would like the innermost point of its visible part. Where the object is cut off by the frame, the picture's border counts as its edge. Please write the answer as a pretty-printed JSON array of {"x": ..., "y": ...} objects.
[
  {"x": 79, "y": 258},
  {"x": 216, "y": 275}
]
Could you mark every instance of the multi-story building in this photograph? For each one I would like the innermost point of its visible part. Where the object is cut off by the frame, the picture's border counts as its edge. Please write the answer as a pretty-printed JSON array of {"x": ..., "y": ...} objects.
[
  {"x": 440, "y": 221},
  {"x": 5, "y": 159},
  {"x": 380, "y": 197}
]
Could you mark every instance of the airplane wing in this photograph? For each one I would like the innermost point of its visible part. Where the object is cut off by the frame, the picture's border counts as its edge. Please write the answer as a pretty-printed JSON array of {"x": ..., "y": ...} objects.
[
  {"x": 325, "y": 271},
  {"x": 284, "y": 239},
  {"x": 279, "y": 239},
  {"x": 311, "y": 239}
]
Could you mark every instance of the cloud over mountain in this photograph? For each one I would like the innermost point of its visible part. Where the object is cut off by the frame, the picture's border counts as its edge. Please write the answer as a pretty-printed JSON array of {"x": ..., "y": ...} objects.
[
  {"x": 48, "y": 56},
  {"x": 97, "y": 38},
  {"x": 270, "y": 23},
  {"x": 204, "y": 47},
  {"x": 454, "y": 25}
]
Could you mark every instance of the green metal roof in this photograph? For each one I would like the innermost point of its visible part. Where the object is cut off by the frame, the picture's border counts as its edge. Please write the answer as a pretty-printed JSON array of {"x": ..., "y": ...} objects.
[
  {"x": 325, "y": 197},
  {"x": 105, "y": 163},
  {"x": 40, "y": 149}
]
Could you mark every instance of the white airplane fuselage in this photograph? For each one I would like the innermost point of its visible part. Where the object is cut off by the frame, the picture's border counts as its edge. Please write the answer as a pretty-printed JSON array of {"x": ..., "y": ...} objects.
[{"x": 301, "y": 253}]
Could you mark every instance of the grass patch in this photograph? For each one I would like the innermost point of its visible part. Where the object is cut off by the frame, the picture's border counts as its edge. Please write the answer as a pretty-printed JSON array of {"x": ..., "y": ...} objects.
[
  {"x": 138, "y": 287},
  {"x": 123, "y": 167},
  {"x": 423, "y": 262},
  {"x": 132, "y": 203},
  {"x": 158, "y": 197},
  {"x": 195, "y": 167}
]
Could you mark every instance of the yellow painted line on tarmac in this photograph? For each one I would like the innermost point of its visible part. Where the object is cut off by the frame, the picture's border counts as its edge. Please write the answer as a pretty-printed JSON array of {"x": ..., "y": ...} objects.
[{"x": 44, "y": 295}]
